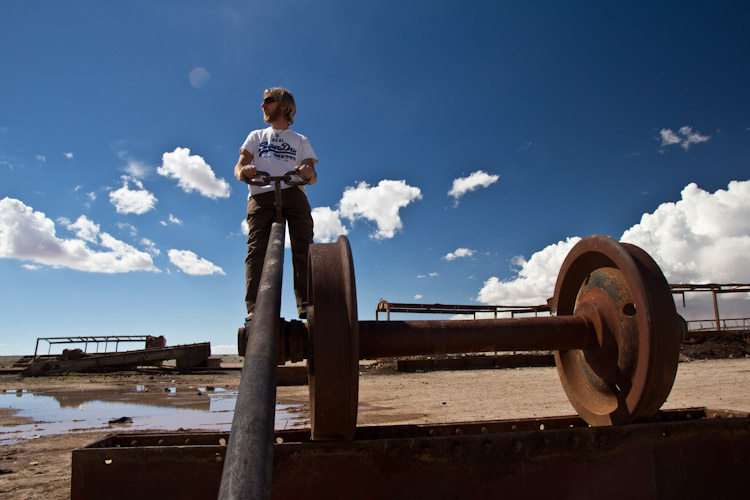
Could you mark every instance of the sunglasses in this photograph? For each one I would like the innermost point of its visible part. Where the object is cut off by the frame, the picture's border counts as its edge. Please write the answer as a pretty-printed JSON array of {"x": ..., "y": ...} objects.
[{"x": 269, "y": 100}]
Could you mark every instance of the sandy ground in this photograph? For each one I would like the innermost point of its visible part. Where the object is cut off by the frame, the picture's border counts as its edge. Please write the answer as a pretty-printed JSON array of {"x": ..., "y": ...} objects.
[{"x": 40, "y": 468}]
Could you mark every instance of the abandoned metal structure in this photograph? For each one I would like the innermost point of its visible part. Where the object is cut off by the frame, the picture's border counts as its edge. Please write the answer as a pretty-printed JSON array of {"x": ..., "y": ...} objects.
[
  {"x": 616, "y": 336},
  {"x": 155, "y": 351}
]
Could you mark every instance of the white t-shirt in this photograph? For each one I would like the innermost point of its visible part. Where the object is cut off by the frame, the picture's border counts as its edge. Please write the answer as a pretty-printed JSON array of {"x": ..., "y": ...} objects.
[{"x": 277, "y": 152}]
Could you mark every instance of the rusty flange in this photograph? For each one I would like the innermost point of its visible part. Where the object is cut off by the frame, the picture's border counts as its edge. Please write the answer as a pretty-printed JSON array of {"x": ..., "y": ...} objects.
[
  {"x": 622, "y": 292},
  {"x": 333, "y": 361},
  {"x": 241, "y": 340}
]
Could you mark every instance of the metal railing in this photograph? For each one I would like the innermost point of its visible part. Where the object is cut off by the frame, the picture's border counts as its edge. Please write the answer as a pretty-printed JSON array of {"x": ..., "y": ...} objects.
[
  {"x": 97, "y": 340},
  {"x": 724, "y": 325},
  {"x": 397, "y": 307}
]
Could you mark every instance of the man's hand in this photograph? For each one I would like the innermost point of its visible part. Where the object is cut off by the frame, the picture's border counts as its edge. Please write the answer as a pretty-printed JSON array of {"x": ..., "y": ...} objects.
[
  {"x": 305, "y": 171},
  {"x": 247, "y": 172},
  {"x": 244, "y": 170}
]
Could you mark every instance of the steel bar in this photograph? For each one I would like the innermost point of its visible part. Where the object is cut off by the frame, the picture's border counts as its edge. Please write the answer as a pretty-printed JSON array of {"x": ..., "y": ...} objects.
[
  {"x": 716, "y": 311},
  {"x": 415, "y": 338},
  {"x": 399, "y": 307},
  {"x": 249, "y": 458},
  {"x": 681, "y": 288}
]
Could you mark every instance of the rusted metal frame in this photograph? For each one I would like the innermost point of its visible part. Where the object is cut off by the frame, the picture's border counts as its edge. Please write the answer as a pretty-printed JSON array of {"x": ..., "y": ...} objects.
[
  {"x": 727, "y": 325},
  {"x": 249, "y": 459},
  {"x": 689, "y": 453},
  {"x": 649, "y": 461},
  {"x": 714, "y": 288},
  {"x": 707, "y": 287},
  {"x": 415, "y": 338},
  {"x": 716, "y": 311},
  {"x": 389, "y": 307},
  {"x": 188, "y": 356},
  {"x": 86, "y": 339}
]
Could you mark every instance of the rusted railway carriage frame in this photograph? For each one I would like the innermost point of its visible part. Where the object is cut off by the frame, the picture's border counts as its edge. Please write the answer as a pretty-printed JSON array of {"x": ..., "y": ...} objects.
[
  {"x": 680, "y": 289},
  {"x": 715, "y": 289},
  {"x": 679, "y": 454}
]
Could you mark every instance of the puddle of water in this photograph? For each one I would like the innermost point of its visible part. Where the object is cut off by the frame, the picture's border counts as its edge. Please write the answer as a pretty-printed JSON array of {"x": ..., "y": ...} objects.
[{"x": 65, "y": 412}]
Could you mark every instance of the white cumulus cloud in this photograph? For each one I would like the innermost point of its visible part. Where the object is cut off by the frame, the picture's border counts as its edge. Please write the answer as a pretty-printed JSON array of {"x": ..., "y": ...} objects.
[
  {"x": 85, "y": 229},
  {"x": 478, "y": 179},
  {"x": 458, "y": 253},
  {"x": 137, "y": 169},
  {"x": 132, "y": 201},
  {"x": 192, "y": 174},
  {"x": 172, "y": 220},
  {"x": 535, "y": 281},
  {"x": 379, "y": 204},
  {"x": 702, "y": 238},
  {"x": 328, "y": 226},
  {"x": 150, "y": 246},
  {"x": 189, "y": 263},
  {"x": 28, "y": 235},
  {"x": 685, "y": 137}
]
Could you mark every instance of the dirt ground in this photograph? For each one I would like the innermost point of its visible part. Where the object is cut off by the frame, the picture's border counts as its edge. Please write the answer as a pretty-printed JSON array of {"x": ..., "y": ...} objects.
[{"x": 40, "y": 468}]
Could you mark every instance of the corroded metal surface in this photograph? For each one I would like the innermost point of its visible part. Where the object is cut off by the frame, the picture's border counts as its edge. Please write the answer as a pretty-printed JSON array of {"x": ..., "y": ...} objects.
[
  {"x": 473, "y": 309},
  {"x": 616, "y": 334},
  {"x": 249, "y": 457},
  {"x": 379, "y": 339},
  {"x": 333, "y": 364},
  {"x": 187, "y": 357},
  {"x": 476, "y": 362},
  {"x": 621, "y": 291},
  {"x": 677, "y": 454}
]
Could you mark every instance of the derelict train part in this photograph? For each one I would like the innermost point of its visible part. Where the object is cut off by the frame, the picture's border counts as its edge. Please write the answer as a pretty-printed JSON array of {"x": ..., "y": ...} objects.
[
  {"x": 616, "y": 335},
  {"x": 616, "y": 339}
]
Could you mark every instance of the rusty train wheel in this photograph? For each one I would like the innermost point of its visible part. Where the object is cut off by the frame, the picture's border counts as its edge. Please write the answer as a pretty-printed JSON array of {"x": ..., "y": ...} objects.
[
  {"x": 333, "y": 360},
  {"x": 622, "y": 292}
]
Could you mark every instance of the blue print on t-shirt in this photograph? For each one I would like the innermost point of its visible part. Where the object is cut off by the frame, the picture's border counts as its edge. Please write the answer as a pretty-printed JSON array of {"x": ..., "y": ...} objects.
[{"x": 281, "y": 151}]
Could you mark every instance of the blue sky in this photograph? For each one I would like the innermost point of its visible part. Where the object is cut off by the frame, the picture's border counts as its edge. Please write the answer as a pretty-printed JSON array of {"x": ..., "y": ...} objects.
[{"x": 464, "y": 147}]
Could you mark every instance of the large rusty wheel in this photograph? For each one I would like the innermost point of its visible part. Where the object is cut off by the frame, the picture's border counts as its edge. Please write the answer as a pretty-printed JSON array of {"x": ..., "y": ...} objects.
[
  {"x": 333, "y": 358},
  {"x": 622, "y": 292}
]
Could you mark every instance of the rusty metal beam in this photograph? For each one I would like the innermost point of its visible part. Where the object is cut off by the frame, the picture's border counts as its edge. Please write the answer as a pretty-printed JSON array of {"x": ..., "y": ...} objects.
[
  {"x": 249, "y": 457},
  {"x": 414, "y": 338},
  {"x": 398, "y": 307},
  {"x": 679, "y": 288},
  {"x": 677, "y": 454},
  {"x": 476, "y": 362}
]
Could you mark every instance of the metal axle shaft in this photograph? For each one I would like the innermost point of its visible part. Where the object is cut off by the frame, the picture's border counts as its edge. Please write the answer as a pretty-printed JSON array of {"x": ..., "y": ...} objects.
[{"x": 378, "y": 339}]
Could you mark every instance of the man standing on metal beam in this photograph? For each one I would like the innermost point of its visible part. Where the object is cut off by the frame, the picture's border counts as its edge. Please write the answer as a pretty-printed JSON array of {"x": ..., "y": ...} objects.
[{"x": 276, "y": 150}]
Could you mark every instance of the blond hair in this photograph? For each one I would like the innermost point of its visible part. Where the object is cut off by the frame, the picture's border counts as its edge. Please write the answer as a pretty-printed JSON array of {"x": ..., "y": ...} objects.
[{"x": 283, "y": 96}]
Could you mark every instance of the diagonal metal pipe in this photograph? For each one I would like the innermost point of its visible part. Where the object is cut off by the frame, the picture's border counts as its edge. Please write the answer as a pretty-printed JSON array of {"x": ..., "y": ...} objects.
[{"x": 249, "y": 457}]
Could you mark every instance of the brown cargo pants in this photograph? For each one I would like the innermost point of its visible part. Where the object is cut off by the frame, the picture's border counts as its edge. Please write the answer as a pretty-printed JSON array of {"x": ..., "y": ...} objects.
[{"x": 260, "y": 216}]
